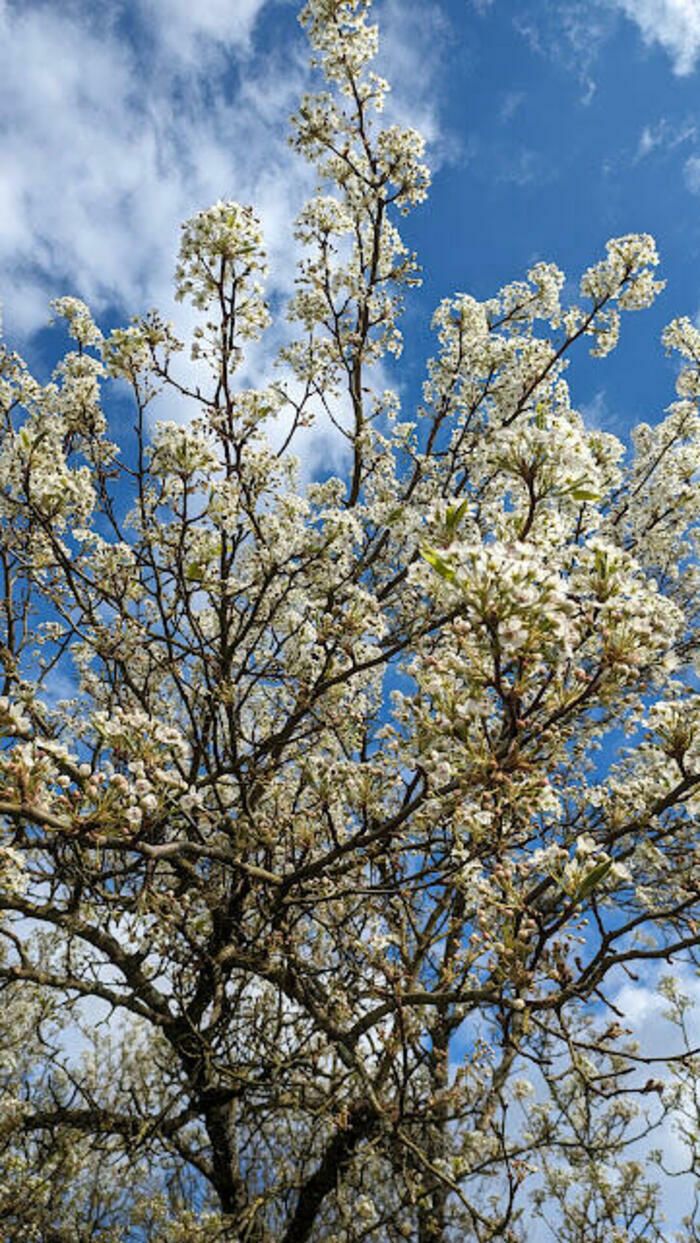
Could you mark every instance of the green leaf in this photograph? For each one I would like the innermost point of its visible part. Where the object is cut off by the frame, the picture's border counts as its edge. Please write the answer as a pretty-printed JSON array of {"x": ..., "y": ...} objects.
[
  {"x": 594, "y": 877},
  {"x": 584, "y": 494},
  {"x": 439, "y": 564},
  {"x": 455, "y": 513},
  {"x": 394, "y": 515}
]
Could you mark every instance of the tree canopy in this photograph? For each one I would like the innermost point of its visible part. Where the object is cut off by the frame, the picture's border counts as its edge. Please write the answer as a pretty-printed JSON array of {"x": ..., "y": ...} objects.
[{"x": 321, "y": 857}]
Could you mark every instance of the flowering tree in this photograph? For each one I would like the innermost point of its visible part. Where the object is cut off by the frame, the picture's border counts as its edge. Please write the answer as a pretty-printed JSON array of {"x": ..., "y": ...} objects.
[{"x": 328, "y": 829}]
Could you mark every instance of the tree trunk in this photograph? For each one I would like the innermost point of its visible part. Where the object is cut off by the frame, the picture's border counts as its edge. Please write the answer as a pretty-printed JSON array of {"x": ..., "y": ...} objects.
[{"x": 335, "y": 1159}]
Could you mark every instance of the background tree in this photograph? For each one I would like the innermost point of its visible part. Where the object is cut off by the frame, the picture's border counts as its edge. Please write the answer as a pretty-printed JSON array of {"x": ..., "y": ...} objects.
[{"x": 330, "y": 827}]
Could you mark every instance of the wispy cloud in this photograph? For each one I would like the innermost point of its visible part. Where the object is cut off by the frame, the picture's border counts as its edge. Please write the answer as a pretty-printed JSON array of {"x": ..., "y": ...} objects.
[
  {"x": 664, "y": 136},
  {"x": 512, "y": 101},
  {"x": 522, "y": 167},
  {"x": 183, "y": 27},
  {"x": 570, "y": 34},
  {"x": 596, "y": 412},
  {"x": 674, "y": 24},
  {"x": 691, "y": 172},
  {"x": 413, "y": 39},
  {"x": 574, "y": 32}
]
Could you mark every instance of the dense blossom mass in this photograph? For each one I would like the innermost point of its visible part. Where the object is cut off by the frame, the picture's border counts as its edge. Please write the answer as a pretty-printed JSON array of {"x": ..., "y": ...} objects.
[{"x": 322, "y": 862}]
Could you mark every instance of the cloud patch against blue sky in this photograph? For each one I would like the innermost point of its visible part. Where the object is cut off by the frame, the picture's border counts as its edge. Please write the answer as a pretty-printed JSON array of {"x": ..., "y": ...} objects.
[{"x": 674, "y": 24}]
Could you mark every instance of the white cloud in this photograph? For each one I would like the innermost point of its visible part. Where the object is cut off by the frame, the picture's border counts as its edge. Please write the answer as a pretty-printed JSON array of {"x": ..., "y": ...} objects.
[
  {"x": 571, "y": 34},
  {"x": 674, "y": 24},
  {"x": 664, "y": 136},
  {"x": 649, "y": 139},
  {"x": 183, "y": 25},
  {"x": 645, "y": 1015},
  {"x": 596, "y": 413},
  {"x": 106, "y": 154},
  {"x": 521, "y": 167},
  {"x": 512, "y": 101},
  {"x": 574, "y": 31},
  {"x": 645, "y": 1008},
  {"x": 412, "y": 39},
  {"x": 691, "y": 172}
]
